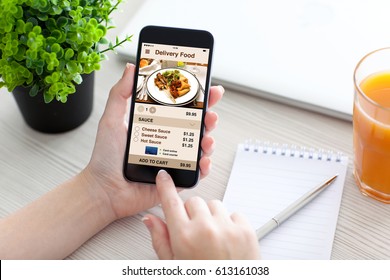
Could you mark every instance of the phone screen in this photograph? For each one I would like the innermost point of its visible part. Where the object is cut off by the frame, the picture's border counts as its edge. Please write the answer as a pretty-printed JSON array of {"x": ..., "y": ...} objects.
[{"x": 170, "y": 98}]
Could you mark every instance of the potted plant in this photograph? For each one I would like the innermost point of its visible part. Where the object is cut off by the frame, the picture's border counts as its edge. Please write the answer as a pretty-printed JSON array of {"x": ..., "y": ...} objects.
[{"x": 49, "y": 50}]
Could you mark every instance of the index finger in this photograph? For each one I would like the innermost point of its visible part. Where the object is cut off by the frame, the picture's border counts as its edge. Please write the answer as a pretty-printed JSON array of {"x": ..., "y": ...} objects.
[
  {"x": 216, "y": 93},
  {"x": 172, "y": 205}
]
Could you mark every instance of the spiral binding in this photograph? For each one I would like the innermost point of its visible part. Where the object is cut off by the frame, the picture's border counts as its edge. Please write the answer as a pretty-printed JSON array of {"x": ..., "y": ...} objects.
[{"x": 292, "y": 151}]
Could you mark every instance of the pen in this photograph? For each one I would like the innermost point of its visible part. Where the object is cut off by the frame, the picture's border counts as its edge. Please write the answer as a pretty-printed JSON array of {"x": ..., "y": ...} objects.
[{"x": 292, "y": 208}]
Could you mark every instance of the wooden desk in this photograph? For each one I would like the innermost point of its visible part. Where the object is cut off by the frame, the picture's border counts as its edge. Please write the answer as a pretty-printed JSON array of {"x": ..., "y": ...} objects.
[{"x": 32, "y": 163}]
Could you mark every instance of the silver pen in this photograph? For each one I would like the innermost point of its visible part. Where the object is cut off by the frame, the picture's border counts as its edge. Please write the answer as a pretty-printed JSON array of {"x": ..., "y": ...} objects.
[{"x": 292, "y": 208}]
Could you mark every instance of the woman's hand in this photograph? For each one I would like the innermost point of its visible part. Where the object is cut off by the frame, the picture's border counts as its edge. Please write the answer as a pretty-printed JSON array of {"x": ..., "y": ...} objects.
[
  {"x": 105, "y": 168},
  {"x": 198, "y": 230},
  {"x": 59, "y": 222}
]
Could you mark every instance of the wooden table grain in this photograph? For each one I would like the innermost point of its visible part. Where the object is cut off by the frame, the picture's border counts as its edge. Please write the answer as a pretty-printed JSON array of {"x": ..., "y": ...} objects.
[{"x": 32, "y": 163}]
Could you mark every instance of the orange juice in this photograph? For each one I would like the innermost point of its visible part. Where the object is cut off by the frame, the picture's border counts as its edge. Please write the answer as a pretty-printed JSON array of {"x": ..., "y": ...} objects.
[{"x": 371, "y": 128}]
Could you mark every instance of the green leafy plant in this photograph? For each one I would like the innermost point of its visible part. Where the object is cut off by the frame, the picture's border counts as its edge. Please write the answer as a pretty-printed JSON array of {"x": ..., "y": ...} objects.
[{"x": 47, "y": 45}]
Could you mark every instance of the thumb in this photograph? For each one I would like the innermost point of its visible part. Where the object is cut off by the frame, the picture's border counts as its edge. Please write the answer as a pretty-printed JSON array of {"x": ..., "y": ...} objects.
[
  {"x": 160, "y": 237},
  {"x": 116, "y": 105}
]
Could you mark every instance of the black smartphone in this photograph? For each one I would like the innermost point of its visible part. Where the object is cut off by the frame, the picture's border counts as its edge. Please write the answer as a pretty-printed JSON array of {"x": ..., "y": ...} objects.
[{"x": 170, "y": 95}]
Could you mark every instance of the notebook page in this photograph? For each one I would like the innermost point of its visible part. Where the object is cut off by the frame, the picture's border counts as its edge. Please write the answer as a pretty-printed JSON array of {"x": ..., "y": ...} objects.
[{"x": 264, "y": 182}]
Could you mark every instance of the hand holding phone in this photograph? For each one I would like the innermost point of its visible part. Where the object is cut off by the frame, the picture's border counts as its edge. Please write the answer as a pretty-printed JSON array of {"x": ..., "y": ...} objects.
[{"x": 171, "y": 89}]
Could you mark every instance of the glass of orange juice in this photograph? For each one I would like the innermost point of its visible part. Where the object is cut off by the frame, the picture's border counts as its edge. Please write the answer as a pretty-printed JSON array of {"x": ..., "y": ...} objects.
[{"x": 371, "y": 125}]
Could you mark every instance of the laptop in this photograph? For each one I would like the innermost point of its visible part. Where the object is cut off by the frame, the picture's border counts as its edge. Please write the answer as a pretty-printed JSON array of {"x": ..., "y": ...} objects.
[{"x": 301, "y": 52}]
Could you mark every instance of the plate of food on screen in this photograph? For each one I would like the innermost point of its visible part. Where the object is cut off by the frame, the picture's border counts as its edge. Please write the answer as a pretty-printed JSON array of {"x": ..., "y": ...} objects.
[{"x": 172, "y": 86}]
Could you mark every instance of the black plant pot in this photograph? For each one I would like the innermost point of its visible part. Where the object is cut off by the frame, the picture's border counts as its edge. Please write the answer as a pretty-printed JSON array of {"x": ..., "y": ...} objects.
[{"x": 56, "y": 117}]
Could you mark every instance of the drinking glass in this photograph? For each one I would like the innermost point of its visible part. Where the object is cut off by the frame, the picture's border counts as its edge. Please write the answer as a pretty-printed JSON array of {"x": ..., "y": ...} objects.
[{"x": 371, "y": 125}]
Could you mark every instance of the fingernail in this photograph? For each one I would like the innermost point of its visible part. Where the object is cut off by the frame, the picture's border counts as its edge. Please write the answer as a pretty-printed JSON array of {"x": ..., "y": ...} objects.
[
  {"x": 147, "y": 222},
  {"x": 221, "y": 88},
  {"x": 128, "y": 66},
  {"x": 163, "y": 175}
]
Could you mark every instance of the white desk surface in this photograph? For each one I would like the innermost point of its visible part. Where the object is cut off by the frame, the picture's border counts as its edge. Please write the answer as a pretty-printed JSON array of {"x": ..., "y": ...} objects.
[{"x": 32, "y": 163}]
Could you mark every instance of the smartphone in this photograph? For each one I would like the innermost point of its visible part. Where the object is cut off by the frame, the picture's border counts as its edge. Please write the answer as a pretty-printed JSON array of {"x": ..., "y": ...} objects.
[{"x": 170, "y": 95}]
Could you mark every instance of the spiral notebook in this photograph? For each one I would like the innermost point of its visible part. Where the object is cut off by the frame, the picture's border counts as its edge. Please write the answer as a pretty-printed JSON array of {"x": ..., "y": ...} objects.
[{"x": 266, "y": 178}]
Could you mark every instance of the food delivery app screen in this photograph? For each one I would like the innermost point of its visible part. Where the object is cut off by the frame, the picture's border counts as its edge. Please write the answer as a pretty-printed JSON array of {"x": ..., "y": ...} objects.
[{"x": 168, "y": 106}]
